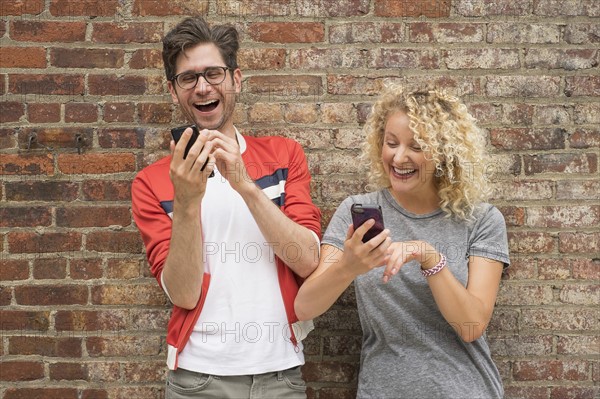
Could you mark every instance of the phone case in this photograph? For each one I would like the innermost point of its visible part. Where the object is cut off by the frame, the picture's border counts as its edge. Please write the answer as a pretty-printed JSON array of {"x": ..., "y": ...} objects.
[
  {"x": 361, "y": 213},
  {"x": 176, "y": 132}
]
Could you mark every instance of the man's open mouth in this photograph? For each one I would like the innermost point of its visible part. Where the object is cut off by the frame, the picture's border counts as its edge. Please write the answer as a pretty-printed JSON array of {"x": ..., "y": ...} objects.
[{"x": 207, "y": 106}]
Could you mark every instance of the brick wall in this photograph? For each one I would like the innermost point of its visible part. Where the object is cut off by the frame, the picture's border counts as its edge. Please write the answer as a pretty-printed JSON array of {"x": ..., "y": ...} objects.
[{"x": 84, "y": 106}]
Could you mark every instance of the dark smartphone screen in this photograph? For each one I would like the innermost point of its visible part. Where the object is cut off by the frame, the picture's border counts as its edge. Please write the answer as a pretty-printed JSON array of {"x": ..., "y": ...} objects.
[
  {"x": 361, "y": 213},
  {"x": 176, "y": 132}
]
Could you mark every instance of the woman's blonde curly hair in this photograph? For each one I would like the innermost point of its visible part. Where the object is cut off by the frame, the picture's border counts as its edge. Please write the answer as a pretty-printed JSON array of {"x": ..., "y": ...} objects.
[{"x": 447, "y": 134}]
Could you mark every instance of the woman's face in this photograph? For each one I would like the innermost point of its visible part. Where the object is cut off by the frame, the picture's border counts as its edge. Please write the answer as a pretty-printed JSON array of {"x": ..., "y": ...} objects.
[{"x": 411, "y": 174}]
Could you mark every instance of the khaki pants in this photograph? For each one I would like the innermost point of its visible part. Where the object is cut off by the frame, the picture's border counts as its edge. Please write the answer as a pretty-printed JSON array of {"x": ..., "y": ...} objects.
[{"x": 184, "y": 384}]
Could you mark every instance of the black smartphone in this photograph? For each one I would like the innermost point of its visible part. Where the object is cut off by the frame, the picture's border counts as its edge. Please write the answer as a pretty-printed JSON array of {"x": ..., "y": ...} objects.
[
  {"x": 361, "y": 213},
  {"x": 176, "y": 132}
]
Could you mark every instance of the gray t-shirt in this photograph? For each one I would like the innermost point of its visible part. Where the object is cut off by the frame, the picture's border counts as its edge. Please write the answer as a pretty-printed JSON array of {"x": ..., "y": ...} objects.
[{"x": 409, "y": 350}]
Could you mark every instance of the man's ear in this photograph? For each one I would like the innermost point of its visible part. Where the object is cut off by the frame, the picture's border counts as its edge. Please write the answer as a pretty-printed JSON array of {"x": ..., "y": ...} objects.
[
  {"x": 237, "y": 80},
  {"x": 173, "y": 92}
]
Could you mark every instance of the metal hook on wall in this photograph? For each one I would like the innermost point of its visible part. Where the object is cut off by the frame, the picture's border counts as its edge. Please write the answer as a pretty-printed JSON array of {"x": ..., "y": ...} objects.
[
  {"x": 32, "y": 138},
  {"x": 79, "y": 143}
]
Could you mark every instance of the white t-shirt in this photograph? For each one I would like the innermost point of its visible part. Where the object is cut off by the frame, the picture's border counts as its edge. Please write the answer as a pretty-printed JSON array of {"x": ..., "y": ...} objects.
[{"x": 243, "y": 327}]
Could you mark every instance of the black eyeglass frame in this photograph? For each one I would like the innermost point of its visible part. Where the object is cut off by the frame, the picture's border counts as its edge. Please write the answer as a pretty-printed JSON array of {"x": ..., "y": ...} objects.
[{"x": 203, "y": 74}]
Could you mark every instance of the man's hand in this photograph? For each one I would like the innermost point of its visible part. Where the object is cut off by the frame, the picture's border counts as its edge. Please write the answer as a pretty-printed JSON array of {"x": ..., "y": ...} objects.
[
  {"x": 228, "y": 159},
  {"x": 189, "y": 181}
]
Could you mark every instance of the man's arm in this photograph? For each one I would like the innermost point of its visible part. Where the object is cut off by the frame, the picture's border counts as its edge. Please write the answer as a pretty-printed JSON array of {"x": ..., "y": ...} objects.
[{"x": 296, "y": 245}]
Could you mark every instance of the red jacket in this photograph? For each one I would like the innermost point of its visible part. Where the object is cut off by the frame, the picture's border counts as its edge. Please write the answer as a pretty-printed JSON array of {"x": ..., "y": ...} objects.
[{"x": 269, "y": 161}]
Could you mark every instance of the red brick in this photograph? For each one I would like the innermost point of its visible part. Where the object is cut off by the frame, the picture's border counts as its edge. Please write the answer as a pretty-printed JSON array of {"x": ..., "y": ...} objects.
[
  {"x": 510, "y": 294},
  {"x": 135, "y": 32},
  {"x": 96, "y": 163},
  {"x": 56, "y": 137},
  {"x": 366, "y": 32},
  {"x": 47, "y": 31},
  {"x": 21, "y": 371},
  {"x": 111, "y": 85},
  {"x": 144, "y": 372},
  {"x": 43, "y": 112},
  {"x": 47, "y": 84},
  {"x": 427, "y": 8},
  {"x": 325, "y": 371},
  {"x": 531, "y": 242},
  {"x": 522, "y": 86},
  {"x": 560, "y": 163},
  {"x": 529, "y": 392},
  {"x": 551, "y": 370},
  {"x": 511, "y": 346},
  {"x": 556, "y": 319},
  {"x": 262, "y": 58},
  {"x": 578, "y": 345},
  {"x": 584, "y": 295},
  {"x": 45, "y": 346},
  {"x": 518, "y": 114},
  {"x": 106, "y": 190},
  {"x": 528, "y": 139},
  {"x": 568, "y": 59},
  {"x": 2, "y": 83},
  {"x": 579, "y": 242},
  {"x": 92, "y": 216},
  {"x": 586, "y": 269},
  {"x": 24, "y": 320},
  {"x": 523, "y": 190},
  {"x": 21, "y": 7},
  {"x": 25, "y": 217},
  {"x": 22, "y": 57},
  {"x": 69, "y": 371},
  {"x": 426, "y": 32},
  {"x": 129, "y": 294},
  {"x": 86, "y": 58},
  {"x": 91, "y": 8},
  {"x": 86, "y": 269},
  {"x": 2, "y": 28},
  {"x": 554, "y": 269},
  {"x": 242, "y": 9},
  {"x": 119, "y": 112},
  {"x": 582, "y": 33},
  {"x": 94, "y": 394},
  {"x": 155, "y": 112},
  {"x": 523, "y": 33},
  {"x": 513, "y": 215},
  {"x": 13, "y": 164},
  {"x": 344, "y": 345},
  {"x": 557, "y": 8},
  {"x": 13, "y": 269},
  {"x": 482, "y": 59},
  {"x": 25, "y": 242},
  {"x": 50, "y": 268},
  {"x": 124, "y": 346},
  {"x": 552, "y": 115},
  {"x": 5, "y": 296},
  {"x": 582, "y": 86},
  {"x": 287, "y": 32},
  {"x": 477, "y": 8},
  {"x": 46, "y": 393},
  {"x": 587, "y": 113},
  {"x": 573, "y": 392},
  {"x": 81, "y": 112},
  {"x": 41, "y": 191},
  {"x": 8, "y": 139},
  {"x": 83, "y": 320},
  {"x": 286, "y": 85},
  {"x": 146, "y": 58},
  {"x": 123, "y": 269},
  {"x": 47, "y": 295},
  {"x": 11, "y": 111},
  {"x": 404, "y": 58},
  {"x": 114, "y": 241},
  {"x": 146, "y": 8},
  {"x": 585, "y": 138},
  {"x": 315, "y": 138},
  {"x": 563, "y": 216},
  {"x": 337, "y": 393}
]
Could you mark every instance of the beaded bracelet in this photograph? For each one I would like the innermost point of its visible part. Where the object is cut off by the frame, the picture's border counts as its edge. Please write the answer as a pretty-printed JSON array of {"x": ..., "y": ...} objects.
[{"x": 436, "y": 269}]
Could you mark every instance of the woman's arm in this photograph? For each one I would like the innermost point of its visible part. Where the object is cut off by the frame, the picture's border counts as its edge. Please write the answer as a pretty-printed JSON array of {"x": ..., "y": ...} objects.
[
  {"x": 467, "y": 309},
  {"x": 338, "y": 268}
]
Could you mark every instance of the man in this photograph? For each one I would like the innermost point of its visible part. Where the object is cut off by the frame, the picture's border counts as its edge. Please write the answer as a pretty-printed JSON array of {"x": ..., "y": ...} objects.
[{"x": 227, "y": 250}]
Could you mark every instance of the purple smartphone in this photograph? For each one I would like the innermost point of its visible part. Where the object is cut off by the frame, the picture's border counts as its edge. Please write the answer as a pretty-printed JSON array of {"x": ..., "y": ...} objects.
[
  {"x": 361, "y": 213},
  {"x": 176, "y": 132}
]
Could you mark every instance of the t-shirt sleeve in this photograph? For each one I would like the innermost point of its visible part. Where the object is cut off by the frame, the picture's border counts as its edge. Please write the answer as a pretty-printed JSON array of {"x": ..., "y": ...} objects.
[
  {"x": 338, "y": 226},
  {"x": 298, "y": 203},
  {"x": 489, "y": 239}
]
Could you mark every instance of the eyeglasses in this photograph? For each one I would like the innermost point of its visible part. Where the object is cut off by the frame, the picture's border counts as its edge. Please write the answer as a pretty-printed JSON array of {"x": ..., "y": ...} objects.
[{"x": 213, "y": 76}]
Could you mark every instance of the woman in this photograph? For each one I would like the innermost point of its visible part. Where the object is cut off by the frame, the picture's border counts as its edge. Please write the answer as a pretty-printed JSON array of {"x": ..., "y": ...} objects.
[{"x": 426, "y": 285}]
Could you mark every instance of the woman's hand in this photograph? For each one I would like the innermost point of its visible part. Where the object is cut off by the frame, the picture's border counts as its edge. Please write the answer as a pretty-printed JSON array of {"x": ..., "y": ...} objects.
[
  {"x": 400, "y": 253},
  {"x": 361, "y": 257}
]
